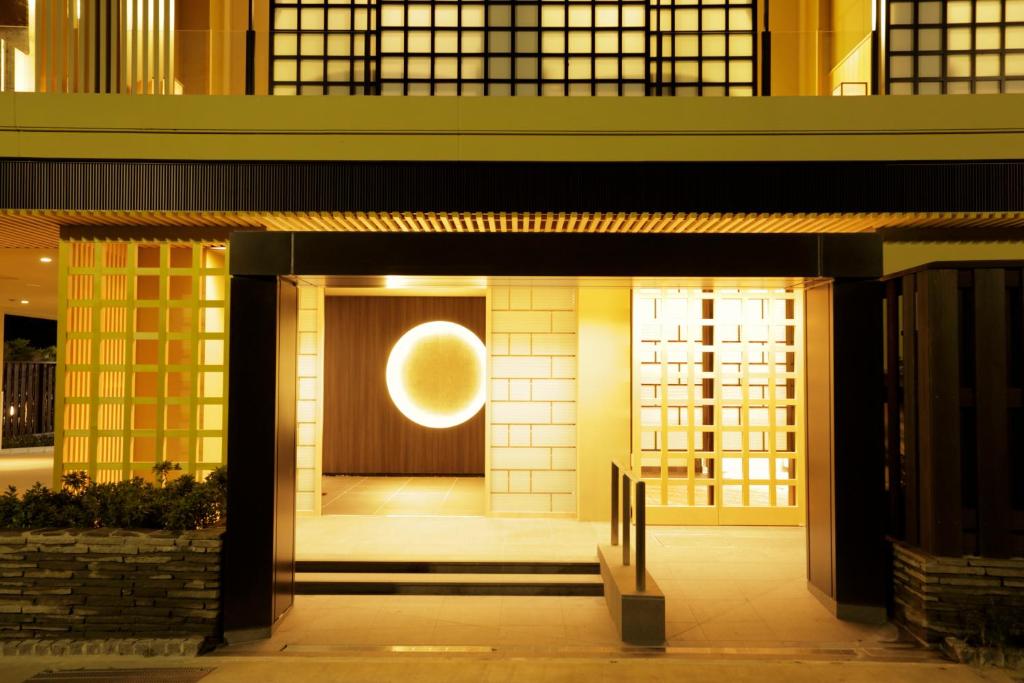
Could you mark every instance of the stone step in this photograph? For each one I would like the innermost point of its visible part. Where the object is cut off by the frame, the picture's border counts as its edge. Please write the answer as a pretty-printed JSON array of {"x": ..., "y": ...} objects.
[
  {"x": 380, "y": 583},
  {"x": 445, "y": 567}
]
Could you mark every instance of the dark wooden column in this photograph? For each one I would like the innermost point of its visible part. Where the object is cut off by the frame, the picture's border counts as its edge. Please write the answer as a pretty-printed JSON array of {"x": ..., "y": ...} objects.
[
  {"x": 846, "y": 504},
  {"x": 259, "y": 552},
  {"x": 938, "y": 397}
]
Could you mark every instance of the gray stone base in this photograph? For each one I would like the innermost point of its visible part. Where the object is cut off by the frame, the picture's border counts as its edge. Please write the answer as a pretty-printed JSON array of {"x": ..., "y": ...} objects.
[
  {"x": 977, "y": 599},
  {"x": 139, "y": 647},
  {"x": 639, "y": 617}
]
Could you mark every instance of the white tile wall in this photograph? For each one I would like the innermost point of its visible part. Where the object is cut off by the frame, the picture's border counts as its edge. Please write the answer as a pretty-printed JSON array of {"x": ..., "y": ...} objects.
[
  {"x": 533, "y": 399},
  {"x": 309, "y": 398}
]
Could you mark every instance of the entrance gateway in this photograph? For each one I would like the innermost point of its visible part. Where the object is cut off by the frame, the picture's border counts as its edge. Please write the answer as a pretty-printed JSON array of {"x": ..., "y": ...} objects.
[{"x": 837, "y": 402}]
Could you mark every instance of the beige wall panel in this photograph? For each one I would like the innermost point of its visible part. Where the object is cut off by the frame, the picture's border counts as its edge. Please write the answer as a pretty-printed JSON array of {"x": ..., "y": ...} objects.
[
  {"x": 854, "y": 67},
  {"x": 520, "y": 129},
  {"x": 604, "y": 394}
]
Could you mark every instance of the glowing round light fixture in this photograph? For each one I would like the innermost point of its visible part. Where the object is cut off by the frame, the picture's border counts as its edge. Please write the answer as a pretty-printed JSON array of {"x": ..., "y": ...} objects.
[{"x": 436, "y": 374}]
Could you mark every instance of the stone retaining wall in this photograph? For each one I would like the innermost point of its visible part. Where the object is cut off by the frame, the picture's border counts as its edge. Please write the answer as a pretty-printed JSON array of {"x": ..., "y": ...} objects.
[
  {"x": 973, "y": 598},
  {"x": 109, "y": 583}
]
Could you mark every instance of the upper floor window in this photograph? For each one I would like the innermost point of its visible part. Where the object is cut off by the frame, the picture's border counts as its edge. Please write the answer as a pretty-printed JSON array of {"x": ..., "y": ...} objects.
[
  {"x": 514, "y": 47},
  {"x": 956, "y": 47}
]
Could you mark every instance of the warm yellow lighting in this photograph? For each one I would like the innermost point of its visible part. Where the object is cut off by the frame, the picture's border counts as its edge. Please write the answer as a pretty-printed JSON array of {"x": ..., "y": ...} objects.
[
  {"x": 397, "y": 281},
  {"x": 45, "y": 259},
  {"x": 436, "y": 374},
  {"x": 24, "y": 301}
]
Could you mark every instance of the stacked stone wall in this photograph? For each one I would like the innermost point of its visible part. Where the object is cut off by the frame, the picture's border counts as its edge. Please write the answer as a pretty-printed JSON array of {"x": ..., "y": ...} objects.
[
  {"x": 973, "y": 598},
  {"x": 109, "y": 583}
]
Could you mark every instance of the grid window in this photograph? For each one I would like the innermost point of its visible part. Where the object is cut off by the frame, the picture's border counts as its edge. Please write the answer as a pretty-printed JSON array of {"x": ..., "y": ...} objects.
[
  {"x": 702, "y": 47},
  {"x": 956, "y": 47},
  {"x": 324, "y": 47},
  {"x": 514, "y": 47}
]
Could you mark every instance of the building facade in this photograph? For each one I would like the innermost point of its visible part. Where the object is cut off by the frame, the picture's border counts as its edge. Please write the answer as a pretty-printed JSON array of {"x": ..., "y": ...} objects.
[{"x": 674, "y": 262}]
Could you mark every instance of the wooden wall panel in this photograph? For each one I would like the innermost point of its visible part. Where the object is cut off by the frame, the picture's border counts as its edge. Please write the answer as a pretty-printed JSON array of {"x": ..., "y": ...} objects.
[
  {"x": 938, "y": 396},
  {"x": 364, "y": 433},
  {"x": 991, "y": 388},
  {"x": 962, "y": 486},
  {"x": 819, "y": 473},
  {"x": 284, "y": 475}
]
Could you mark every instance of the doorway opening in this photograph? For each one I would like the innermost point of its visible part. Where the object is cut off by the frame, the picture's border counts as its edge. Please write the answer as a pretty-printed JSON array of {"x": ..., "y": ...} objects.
[{"x": 389, "y": 447}]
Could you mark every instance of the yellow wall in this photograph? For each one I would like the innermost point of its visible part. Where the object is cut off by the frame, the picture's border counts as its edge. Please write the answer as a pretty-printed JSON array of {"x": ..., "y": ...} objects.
[
  {"x": 603, "y": 401},
  {"x": 785, "y": 27},
  {"x": 512, "y": 128},
  {"x": 899, "y": 256}
]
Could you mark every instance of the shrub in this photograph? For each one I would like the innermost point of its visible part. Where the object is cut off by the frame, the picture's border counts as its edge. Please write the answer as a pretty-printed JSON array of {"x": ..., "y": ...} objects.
[
  {"x": 180, "y": 504},
  {"x": 29, "y": 441}
]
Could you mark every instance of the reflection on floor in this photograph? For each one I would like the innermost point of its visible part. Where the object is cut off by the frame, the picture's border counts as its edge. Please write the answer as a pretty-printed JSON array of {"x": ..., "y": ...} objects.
[
  {"x": 446, "y": 496},
  {"x": 723, "y": 586},
  {"x": 23, "y": 467},
  {"x": 377, "y": 537}
]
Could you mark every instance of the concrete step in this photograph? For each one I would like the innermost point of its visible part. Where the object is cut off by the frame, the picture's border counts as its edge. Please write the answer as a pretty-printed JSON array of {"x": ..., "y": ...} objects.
[
  {"x": 444, "y": 567},
  {"x": 448, "y": 578}
]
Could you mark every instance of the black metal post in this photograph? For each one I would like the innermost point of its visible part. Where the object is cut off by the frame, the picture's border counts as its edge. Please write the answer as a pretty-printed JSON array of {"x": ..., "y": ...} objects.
[
  {"x": 641, "y": 536},
  {"x": 615, "y": 504},
  {"x": 876, "y": 48},
  {"x": 250, "y": 56},
  {"x": 625, "y": 520},
  {"x": 766, "y": 54}
]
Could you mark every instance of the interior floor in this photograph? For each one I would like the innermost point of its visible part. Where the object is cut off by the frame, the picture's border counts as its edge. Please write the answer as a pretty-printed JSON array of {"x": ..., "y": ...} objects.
[{"x": 398, "y": 495}]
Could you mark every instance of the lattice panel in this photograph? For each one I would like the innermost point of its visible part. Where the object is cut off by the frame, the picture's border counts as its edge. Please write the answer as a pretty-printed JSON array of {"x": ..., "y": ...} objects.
[
  {"x": 324, "y": 47},
  {"x": 717, "y": 401},
  {"x": 514, "y": 47},
  {"x": 955, "y": 47},
  {"x": 703, "y": 47},
  {"x": 142, "y": 345}
]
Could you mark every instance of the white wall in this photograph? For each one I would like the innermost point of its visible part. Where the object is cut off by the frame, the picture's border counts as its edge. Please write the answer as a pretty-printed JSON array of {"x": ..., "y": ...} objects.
[
  {"x": 533, "y": 400},
  {"x": 309, "y": 399}
]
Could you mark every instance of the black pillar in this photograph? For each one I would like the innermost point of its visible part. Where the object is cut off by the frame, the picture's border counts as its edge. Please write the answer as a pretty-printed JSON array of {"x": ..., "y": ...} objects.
[
  {"x": 847, "y": 556},
  {"x": 259, "y": 553}
]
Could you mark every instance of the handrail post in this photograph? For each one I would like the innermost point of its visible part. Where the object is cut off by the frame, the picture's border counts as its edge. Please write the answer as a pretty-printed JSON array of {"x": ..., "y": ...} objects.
[
  {"x": 615, "y": 504},
  {"x": 641, "y": 536},
  {"x": 625, "y": 519}
]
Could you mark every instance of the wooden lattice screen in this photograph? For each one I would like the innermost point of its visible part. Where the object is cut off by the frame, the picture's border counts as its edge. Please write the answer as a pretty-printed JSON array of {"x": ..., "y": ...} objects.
[
  {"x": 142, "y": 357},
  {"x": 718, "y": 404}
]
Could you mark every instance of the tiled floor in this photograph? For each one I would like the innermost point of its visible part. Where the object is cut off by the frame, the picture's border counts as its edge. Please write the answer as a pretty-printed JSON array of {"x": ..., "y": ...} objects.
[
  {"x": 445, "y": 496},
  {"x": 379, "y": 537},
  {"x": 723, "y": 586}
]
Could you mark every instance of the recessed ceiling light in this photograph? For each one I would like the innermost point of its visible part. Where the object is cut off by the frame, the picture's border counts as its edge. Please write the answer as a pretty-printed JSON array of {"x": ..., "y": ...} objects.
[
  {"x": 24, "y": 301},
  {"x": 45, "y": 259}
]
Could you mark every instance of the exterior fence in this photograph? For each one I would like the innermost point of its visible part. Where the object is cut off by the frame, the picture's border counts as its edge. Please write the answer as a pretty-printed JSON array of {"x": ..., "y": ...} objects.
[
  {"x": 28, "y": 388},
  {"x": 954, "y": 413}
]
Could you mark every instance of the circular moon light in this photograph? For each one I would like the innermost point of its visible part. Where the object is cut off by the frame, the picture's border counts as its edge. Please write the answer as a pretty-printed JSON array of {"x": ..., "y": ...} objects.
[{"x": 436, "y": 374}]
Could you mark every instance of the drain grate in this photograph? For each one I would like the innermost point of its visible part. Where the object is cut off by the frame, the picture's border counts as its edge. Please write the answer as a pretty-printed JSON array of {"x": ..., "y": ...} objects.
[{"x": 121, "y": 676}]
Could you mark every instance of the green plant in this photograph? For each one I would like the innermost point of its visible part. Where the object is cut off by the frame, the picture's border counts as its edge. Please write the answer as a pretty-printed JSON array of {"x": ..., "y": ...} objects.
[
  {"x": 29, "y": 440},
  {"x": 180, "y": 504},
  {"x": 163, "y": 468},
  {"x": 10, "y": 508},
  {"x": 22, "y": 350},
  {"x": 75, "y": 481}
]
